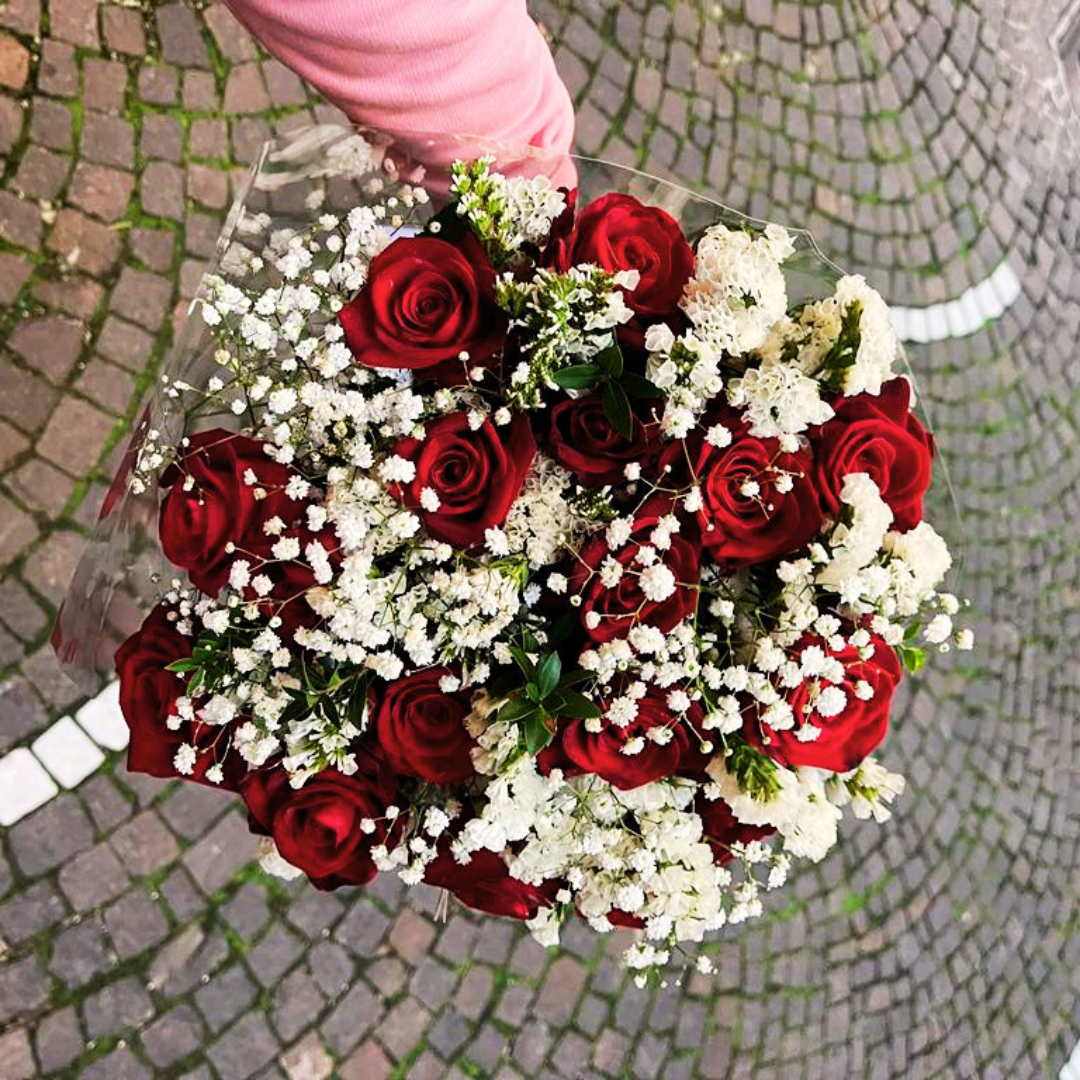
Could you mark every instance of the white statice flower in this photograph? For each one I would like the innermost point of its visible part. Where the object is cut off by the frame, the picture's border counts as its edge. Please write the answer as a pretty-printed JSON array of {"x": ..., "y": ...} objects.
[
  {"x": 869, "y": 789},
  {"x": 879, "y": 347},
  {"x": 856, "y": 545},
  {"x": 738, "y": 289},
  {"x": 778, "y": 399}
]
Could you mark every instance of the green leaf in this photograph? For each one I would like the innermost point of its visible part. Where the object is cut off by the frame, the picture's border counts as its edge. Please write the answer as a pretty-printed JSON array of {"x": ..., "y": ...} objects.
[
  {"x": 611, "y": 361},
  {"x": 547, "y": 674},
  {"x": 579, "y": 706},
  {"x": 574, "y": 677},
  {"x": 536, "y": 733},
  {"x": 617, "y": 409},
  {"x": 913, "y": 659},
  {"x": 911, "y": 632},
  {"x": 532, "y": 692},
  {"x": 576, "y": 377},
  {"x": 563, "y": 627},
  {"x": 516, "y": 709},
  {"x": 194, "y": 682},
  {"x": 188, "y": 663},
  {"x": 637, "y": 386},
  {"x": 523, "y": 661},
  {"x": 529, "y": 641}
]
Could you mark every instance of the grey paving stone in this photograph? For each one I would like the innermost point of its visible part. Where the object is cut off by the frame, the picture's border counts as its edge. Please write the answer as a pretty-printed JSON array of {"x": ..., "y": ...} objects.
[
  {"x": 172, "y": 1036},
  {"x": 80, "y": 953},
  {"x": 58, "y": 1040},
  {"x": 135, "y": 923},
  {"x": 117, "y": 1008},
  {"x": 244, "y": 1049},
  {"x": 225, "y": 996},
  {"x": 51, "y": 835},
  {"x": 24, "y": 987}
]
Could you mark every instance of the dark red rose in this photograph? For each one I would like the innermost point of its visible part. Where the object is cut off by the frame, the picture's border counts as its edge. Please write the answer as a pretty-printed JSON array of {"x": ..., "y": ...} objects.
[
  {"x": 628, "y": 604},
  {"x": 484, "y": 883},
  {"x": 618, "y": 232},
  {"x": 148, "y": 696},
  {"x": 317, "y": 827},
  {"x": 876, "y": 435},
  {"x": 425, "y": 301},
  {"x": 291, "y": 580},
  {"x": 722, "y": 828},
  {"x": 477, "y": 475},
  {"x": 624, "y": 920},
  {"x": 603, "y": 753},
  {"x": 740, "y": 526},
  {"x": 849, "y": 736},
  {"x": 583, "y": 440},
  {"x": 421, "y": 728},
  {"x": 210, "y": 505}
]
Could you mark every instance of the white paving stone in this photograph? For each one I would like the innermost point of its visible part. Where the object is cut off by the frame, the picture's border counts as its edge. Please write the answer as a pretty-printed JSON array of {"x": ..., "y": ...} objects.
[
  {"x": 24, "y": 785},
  {"x": 67, "y": 752},
  {"x": 102, "y": 720}
]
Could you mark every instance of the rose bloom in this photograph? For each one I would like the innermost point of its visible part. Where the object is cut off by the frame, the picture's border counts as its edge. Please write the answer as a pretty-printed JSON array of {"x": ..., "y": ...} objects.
[
  {"x": 628, "y": 603},
  {"x": 582, "y": 440},
  {"x": 602, "y": 753},
  {"x": 721, "y": 828},
  {"x": 421, "y": 729},
  {"x": 148, "y": 695},
  {"x": 484, "y": 884},
  {"x": 209, "y": 505},
  {"x": 876, "y": 435},
  {"x": 476, "y": 475},
  {"x": 847, "y": 738},
  {"x": 426, "y": 301},
  {"x": 618, "y": 232},
  {"x": 317, "y": 827},
  {"x": 741, "y": 526}
]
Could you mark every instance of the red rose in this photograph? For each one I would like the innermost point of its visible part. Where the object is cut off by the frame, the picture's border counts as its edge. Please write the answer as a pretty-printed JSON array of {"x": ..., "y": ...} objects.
[
  {"x": 290, "y": 579},
  {"x": 721, "y": 828},
  {"x": 583, "y": 440},
  {"x": 476, "y": 475},
  {"x": 317, "y": 827},
  {"x": 210, "y": 505},
  {"x": 603, "y": 753},
  {"x": 484, "y": 884},
  {"x": 425, "y": 301},
  {"x": 668, "y": 595},
  {"x": 876, "y": 435},
  {"x": 846, "y": 738},
  {"x": 421, "y": 729},
  {"x": 148, "y": 695},
  {"x": 740, "y": 524},
  {"x": 618, "y": 232}
]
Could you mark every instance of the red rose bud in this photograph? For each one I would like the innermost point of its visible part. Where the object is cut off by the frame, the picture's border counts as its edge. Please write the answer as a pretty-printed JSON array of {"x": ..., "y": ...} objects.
[
  {"x": 659, "y": 594},
  {"x": 846, "y": 737},
  {"x": 618, "y": 232},
  {"x": 476, "y": 475},
  {"x": 317, "y": 827},
  {"x": 148, "y": 696},
  {"x": 421, "y": 729},
  {"x": 210, "y": 505},
  {"x": 876, "y": 435},
  {"x": 484, "y": 884},
  {"x": 583, "y": 441},
  {"x": 425, "y": 302}
]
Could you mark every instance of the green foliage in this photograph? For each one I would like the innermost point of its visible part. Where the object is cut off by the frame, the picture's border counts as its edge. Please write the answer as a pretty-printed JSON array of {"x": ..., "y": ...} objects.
[
  {"x": 546, "y": 694},
  {"x": 755, "y": 772}
]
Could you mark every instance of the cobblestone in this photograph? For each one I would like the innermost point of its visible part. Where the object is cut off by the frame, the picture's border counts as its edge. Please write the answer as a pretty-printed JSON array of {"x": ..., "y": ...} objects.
[{"x": 923, "y": 143}]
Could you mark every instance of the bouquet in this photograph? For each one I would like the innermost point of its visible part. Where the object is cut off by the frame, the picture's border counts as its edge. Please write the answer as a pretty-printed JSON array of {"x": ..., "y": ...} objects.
[{"x": 542, "y": 547}]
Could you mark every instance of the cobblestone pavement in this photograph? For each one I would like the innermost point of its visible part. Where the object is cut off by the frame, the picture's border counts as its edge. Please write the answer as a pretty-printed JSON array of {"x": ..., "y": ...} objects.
[{"x": 923, "y": 141}]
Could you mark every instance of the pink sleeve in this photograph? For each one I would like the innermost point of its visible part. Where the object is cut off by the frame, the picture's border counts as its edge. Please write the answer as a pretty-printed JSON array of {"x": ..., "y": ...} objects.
[{"x": 454, "y": 67}]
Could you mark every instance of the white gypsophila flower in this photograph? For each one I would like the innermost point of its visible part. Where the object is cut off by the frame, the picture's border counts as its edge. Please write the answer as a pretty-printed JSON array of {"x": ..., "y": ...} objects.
[{"x": 738, "y": 289}]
